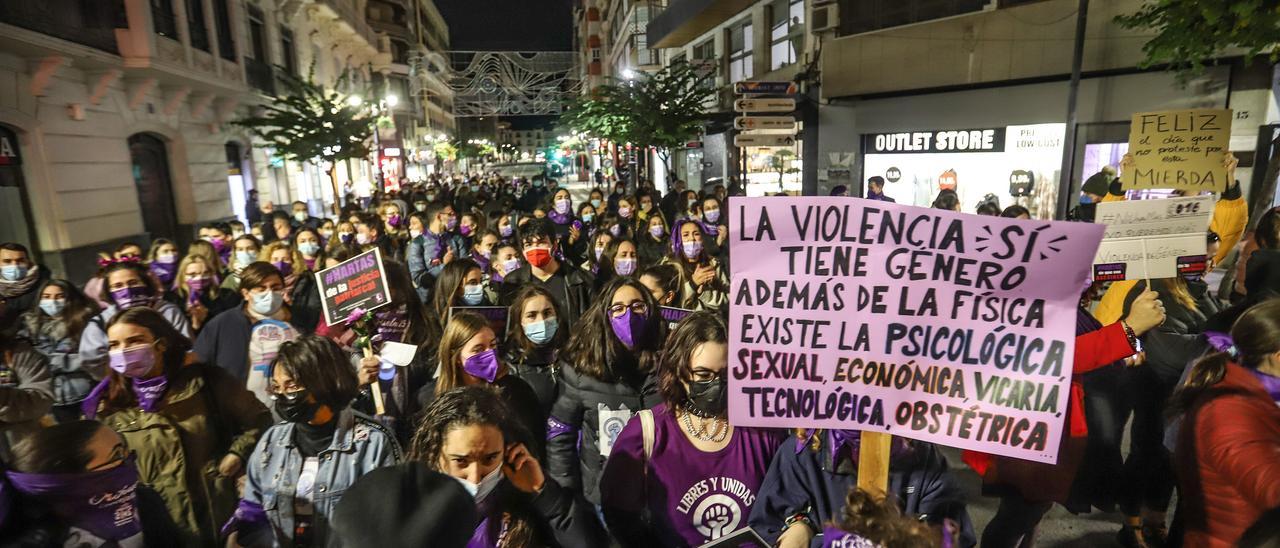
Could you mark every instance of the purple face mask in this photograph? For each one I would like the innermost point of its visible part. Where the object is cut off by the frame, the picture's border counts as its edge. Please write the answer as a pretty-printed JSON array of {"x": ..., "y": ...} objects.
[
  {"x": 506, "y": 231},
  {"x": 692, "y": 249},
  {"x": 465, "y": 230},
  {"x": 625, "y": 267},
  {"x": 393, "y": 220},
  {"x": 150, "y": 391},
  {"x": 132, "y": 362},
  {"x": 284, "y": 267},
  {"x": 196, "y": 288},
  {"x": 629, "y": 327},
  {"x": 131, "y": 297},
  {"x": 483, "y": 365},
  {"x": 104, "y": 503}
]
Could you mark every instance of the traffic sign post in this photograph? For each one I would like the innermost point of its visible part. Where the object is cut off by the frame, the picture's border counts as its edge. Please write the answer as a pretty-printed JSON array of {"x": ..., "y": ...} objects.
[
  {"x": 757, "y": 140},
  {"x": 765, "y": 122},
  {"x": 765, "y": 88},
  {"x": 764, "y": 105}
]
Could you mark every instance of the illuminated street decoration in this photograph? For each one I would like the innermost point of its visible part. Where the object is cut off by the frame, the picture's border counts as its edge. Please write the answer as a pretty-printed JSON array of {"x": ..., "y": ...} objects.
[{"x": 511, "y": 83}]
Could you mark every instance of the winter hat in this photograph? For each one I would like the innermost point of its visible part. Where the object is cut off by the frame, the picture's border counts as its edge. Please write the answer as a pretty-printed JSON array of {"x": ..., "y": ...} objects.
[{"x": 406, "y": 506}]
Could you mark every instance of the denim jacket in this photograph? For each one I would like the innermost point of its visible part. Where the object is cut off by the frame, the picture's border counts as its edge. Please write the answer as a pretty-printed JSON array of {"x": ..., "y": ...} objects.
[{"x": 359, "y": 446}]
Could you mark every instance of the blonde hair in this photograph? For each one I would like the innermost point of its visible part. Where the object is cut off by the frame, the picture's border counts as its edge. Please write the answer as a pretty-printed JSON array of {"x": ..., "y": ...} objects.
[
  {"x": 180, "y": 277},
  {"x": 295, "y": 258},
  {"x": 205, "y": 249},
  {"x": 462, "y": 327}
]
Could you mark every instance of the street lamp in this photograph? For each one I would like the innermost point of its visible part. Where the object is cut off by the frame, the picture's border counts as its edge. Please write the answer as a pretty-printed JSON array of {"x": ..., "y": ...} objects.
[
  {"x": 354, "y": 100},
  {"x": 392, "y": 101},
  {"x": 628, "y": 74}
]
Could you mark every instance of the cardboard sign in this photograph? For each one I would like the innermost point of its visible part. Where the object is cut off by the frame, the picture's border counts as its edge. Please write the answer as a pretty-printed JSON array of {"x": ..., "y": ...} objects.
[
  {"x": 1149, "y": 239},
  {"x": 934, "y": 325},
  {"x": 357, "y": 283},
  {"x": 1179, "y": 149},
  {"x": 497, "y": 316}
]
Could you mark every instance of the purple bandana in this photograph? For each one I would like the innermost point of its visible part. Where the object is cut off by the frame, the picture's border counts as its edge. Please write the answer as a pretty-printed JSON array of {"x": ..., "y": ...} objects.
[
  {"x": 560, "y": 218},
  {"x": 392, "y": 324},
  {"x": 249, "y": 516},
  {"x": 1270, "y": 383},
  {"x": 836, "y": 538},
  {"x": 131, "y": 297},
  {"x": 104, "y": 502},
  {"x": 483, "y": 365},
  {"x": 164, "y": 272},
  {"x": 196, "y": 288},
  {"x": 629, "y": 327},
  {"x": 150, "y": 392}
]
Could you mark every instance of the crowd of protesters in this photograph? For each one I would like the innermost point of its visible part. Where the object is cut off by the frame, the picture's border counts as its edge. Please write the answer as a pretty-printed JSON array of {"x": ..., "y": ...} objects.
[{"x": 200, "y": 397}]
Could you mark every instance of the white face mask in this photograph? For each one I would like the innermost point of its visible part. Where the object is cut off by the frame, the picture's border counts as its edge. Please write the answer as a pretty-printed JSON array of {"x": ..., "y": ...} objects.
[
  {"x": 485, "y": 487},
  {"x": 267, "y": 303}
]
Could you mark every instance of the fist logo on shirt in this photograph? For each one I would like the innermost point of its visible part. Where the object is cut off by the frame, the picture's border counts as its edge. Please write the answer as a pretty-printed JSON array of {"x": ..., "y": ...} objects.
[{"x": 717, "y": 516}]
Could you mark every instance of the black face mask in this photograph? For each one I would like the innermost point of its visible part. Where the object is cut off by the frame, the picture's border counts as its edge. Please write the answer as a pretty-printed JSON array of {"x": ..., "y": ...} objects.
[
  {"x": 295, "y": 407},
  {"x": 708, "y": 398}
]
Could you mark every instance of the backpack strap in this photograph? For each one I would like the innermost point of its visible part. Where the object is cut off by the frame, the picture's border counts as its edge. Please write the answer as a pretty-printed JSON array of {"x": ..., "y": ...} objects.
[{"x": 646, "y": 432}]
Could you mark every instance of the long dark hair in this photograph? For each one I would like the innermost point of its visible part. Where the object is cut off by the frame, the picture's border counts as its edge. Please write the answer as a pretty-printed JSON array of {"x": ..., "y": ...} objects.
[
  {"x": 78, "y": 311},
  {"x": 176, "y": 346},
  {"x": 319, "y": 365},
  {"x": 515, "y": 334},
  {"x": 594, "y": 350},
  {"x": 448, "y": 287},
  {"x": 401, "y": 288},
  {"x": 673, "y": 366},
  {"x": 480, "y": 405},
  {"x": 58, "y": 449},
  {"x": 1267, "y": 233},
  {"x": 1256, "y": 335}
]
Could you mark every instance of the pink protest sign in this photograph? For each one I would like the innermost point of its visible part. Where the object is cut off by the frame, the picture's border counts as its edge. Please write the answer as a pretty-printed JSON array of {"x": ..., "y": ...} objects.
[{"x": 934, "y": 325}]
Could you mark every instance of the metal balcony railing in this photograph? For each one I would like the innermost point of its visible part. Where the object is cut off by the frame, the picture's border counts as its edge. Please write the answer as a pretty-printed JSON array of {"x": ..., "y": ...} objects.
[{"x": 86, "y": 22}]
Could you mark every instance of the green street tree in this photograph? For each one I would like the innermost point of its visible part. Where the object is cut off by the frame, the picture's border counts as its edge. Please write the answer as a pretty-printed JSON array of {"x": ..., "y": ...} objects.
[
  {"x": 1190, "y": 34},
  {"x": 309, "y": 123},
  {"x": 663, "y": 110}
]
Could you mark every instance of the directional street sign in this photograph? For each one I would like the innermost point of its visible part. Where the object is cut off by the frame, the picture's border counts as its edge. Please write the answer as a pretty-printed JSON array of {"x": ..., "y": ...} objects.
[
  {"x": 750, "y": 140},
  {"x": 769, "y": 88},
  {"x": 764, "y": 122},
  {"x": 764, "y": 105}
]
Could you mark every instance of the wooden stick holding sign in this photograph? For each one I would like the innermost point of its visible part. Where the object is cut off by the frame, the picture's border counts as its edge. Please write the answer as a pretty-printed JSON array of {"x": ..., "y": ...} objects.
[
  {"x": 873, "y": 463},
  {"x": 349, "y": 292}
]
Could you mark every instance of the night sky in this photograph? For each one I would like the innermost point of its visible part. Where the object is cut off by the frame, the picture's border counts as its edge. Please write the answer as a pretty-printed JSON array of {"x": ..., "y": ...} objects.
[{"x": 488, "y": 25}]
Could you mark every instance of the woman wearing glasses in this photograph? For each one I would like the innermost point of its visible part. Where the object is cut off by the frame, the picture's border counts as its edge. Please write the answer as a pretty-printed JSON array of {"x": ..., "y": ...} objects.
[
  {"x": 701, "y": 474},
  {"x": 607, "y": 376},
  {"x": 191, "y": 424},
  {"x": 303, "y": 465},
  {"x": 57, "y": 475}
]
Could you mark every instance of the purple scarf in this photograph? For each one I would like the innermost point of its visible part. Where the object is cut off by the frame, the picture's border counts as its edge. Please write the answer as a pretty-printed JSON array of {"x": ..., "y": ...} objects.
[
  {"x": 711, "y": 229},
  {"x": 164, "y": 272},
  {"x": 103, "y": 503},
  {"x": 559, "y": 218},
  {"x": 150, "y": 391}
]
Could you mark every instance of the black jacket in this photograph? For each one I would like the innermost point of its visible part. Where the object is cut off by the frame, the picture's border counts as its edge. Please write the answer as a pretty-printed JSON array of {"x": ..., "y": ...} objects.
[
  {"x": 559, "y": 516},
  {"x": 305, "y": 304},
  {"x": 12, "y": 309},
  {"x": 651, "y": 251},
  {"x": 578, "y": 290},
  {"x": 523, "y": 403},
  {"x": 539, "y": 370},
  {"x": 577, "y": 410}
]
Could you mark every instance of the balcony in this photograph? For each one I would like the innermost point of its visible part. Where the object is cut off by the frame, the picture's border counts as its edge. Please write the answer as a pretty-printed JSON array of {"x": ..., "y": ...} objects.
[
  {"x": 864, "y": 16},
  {"x": 260, "y": 76},
  {"x": 351, "y": 17},
  {"x": 684, "y": 20},
  {"x": 88, "y": 23}
]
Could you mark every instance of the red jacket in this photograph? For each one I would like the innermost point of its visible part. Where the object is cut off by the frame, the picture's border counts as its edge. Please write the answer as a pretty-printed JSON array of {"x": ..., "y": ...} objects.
[
  {"x": 1228, "y": 460},
  {"x": 1038, "y": 481}
]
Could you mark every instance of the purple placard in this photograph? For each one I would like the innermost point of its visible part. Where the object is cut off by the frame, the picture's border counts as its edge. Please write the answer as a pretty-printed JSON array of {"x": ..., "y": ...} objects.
[{"x": 934, "y": 325}]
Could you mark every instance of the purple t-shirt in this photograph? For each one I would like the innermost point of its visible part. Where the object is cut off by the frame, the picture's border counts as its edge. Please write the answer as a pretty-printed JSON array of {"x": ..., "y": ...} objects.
[{"x": 693, "y": 496}]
